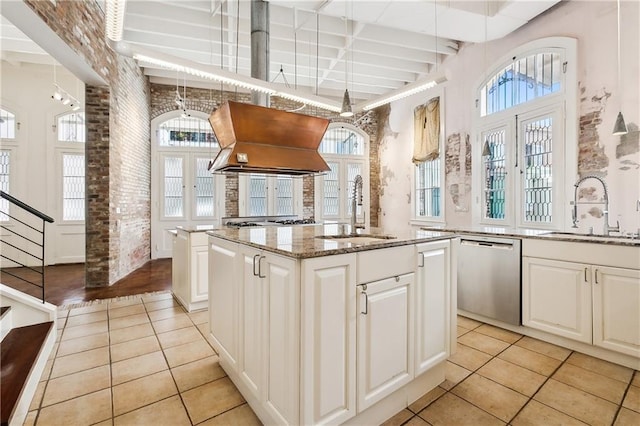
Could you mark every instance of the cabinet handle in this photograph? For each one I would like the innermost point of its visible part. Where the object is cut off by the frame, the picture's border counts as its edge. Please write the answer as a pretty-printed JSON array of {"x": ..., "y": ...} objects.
[
  {"x": 260, "y": 267},
  {"x": 421, "y": 257},
  {"x": 366, "y": 303},
  {"x": 585, "y": 275},
  {"x": 256, "y": 274},
  {"x": 596, "y": 276}
]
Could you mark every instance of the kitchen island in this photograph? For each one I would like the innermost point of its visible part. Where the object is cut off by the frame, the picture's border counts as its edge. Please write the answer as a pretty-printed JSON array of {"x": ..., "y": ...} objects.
[{"x": 315, "y": 327}]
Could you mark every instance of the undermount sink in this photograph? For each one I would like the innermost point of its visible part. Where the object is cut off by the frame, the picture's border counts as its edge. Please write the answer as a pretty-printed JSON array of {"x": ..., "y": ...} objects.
[
  {"x": 587, "y": 237},
  {"x": 357, "y": 239}
]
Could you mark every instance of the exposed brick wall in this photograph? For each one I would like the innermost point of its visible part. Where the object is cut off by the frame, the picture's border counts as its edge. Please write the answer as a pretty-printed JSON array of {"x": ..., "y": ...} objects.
[
  {"x": 206, "y": 100},
  {"x": 118, "y": 148}
]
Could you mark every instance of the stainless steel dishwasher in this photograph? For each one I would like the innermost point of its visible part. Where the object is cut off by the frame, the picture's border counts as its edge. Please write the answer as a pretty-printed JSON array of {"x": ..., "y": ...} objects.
[{"x": 489, "y": 277}]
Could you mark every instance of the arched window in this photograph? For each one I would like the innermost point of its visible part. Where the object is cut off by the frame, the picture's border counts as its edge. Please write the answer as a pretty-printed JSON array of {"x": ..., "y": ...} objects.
[
  {"x": 7, "y": 124},
  {"x": 71, "y": 136},
  {"x": 71, "y": 127},
  {"x": 524, "y": 132}
]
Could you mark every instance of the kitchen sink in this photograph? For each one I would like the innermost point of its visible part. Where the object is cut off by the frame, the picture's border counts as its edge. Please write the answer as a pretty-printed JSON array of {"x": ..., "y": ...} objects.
[
  {"x": 357, "y": 239},
  {"x": 586, "y": 237}
]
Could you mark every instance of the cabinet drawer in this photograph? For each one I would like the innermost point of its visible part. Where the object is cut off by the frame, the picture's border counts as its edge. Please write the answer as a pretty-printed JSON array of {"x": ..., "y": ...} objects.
[{"x": 375, "y": 265}]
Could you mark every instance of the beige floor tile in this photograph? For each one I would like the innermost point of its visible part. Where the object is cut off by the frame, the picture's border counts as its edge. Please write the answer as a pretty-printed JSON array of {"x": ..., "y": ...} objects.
[
  {"x": 179, "y": 337},
  {"x": 128, "y": 321},
  {"x": 600, "y": 366},
  {"x": 499, "y": 333},
  {"x": 161, "y": 295},
  {"x": 469, "y": 358},
  {"x": 88, "y": 309},
  {"x": 194, "y": 374},
  {"x": 452, "y": 410},
  {"x": 46, "y": 372},
  {"x": 199, "y": 317},
  {"x": 62, "y": 313},
  {"x": 490, "y": 396},
  {"x": 126, "y": 301},
  {"x": 533, "y": 361},
  {"x": 632, "y": 400},
  {"x": 636, "y": 379},
  {"x": 143, "y": 391},
  {"x": 80, "y": 361},
  {"x": 416, "y": 421},
  {"x": 484, "y": 343},
  {"x": 169, "y": 411},
  {"x": 453, "y": 374},
  {"x": 131, "y": 333},
  {"x": 544, "y": 348},
  {"x": 468, "y": 323},
  {"x": 178, "y": 355},
  {"x": 512, "y": 376},
  {"x": 627, "y": 417},
  {"x": 426, "y": 399},
  {"x": 160, "y": 304},
  {"x": 536, "y": 414},
  {"x": 126, "y": 311},
  {"x": 30, "y": 420},
  {"x": 211, "y": 399},
  {"x": 77, "y": 384},
  {"x": 86, "y": 318},
  {"x": 84, "y": 330},
  {"x": 460, "y": 331},
  {"x": 104, "y": 423},
  {"x": 242, "y": 415},
  {"x": 398, "y": 418},
  {"x": 172, "y": 323},
  {"x": 85, "y": 410},
  {"x": 140, "y": 366},
  {"x": 81, "y": 344},
  {"x": 203, "y": 328},
  {"x": 37, "y": 396},
  {"x": 161, "y": 314},
  {"x": 596, "y": 384},
  {"x": 61, "y": 323},
  {"x": 54, "y": 350},
  {"x": 133, "y": 348},
  {"x": 576, "y": 403}
]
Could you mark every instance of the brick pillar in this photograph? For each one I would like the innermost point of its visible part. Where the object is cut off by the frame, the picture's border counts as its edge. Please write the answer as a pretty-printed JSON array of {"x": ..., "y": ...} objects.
[{"x": 97, "y": 186}]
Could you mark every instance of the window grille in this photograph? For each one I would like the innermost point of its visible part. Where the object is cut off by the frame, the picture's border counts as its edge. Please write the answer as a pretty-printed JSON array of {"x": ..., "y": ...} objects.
[
  {"x": 340, "y": 140},
  {"x": 428, "y": 188},
  {"x": 71, "y": 127},
  {"x": 257, "y": 195},
  {"x": 173, "y": 187},
  {"x": 73, "y": 187},
  {"x": 187, "y": 132},
  {"x": 331, "y": 205},
  {"x": 284, "y": 195},
  {"x": 204, "y": 192},
  {"x": 495, "y": 173},
  {"x": 538, "y": 188},
  {"x": 521, "y": 81},
  {"x": 7, "y": 125},
  {"x": 5, "y": 167}
]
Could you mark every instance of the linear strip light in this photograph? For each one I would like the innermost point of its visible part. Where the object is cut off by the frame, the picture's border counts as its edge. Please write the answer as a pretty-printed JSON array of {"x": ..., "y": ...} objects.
[
  {"x": 311, "y": 100},
  {"x": 408, "y": 90},
  {"x": 115, "y": 19}
]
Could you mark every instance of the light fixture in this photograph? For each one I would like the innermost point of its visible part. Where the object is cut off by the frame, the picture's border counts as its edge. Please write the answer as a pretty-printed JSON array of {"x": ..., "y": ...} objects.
[
  {"x": 620, "y": 128},
  {"x": 115, "y": 19},
  {"x": 57, "y": 93},
  {"x": 408, "y": 90},
  {"x": 346, "y": 110}
]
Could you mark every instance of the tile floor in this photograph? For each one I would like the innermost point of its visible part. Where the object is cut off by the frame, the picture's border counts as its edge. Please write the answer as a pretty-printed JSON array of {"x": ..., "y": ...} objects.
[{"x": 143, "y": 360}]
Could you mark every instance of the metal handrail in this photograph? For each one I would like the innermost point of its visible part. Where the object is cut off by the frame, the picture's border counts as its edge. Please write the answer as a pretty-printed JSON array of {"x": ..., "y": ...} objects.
[{"x": 45, "y": 219}]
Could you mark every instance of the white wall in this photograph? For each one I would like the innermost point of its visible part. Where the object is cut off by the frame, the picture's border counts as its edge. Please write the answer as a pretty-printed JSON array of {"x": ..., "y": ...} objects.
[{"x": 594, "y": 26}]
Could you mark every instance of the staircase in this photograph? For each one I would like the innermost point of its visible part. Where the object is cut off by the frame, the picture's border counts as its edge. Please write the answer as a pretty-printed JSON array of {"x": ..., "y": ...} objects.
[{"x": 27, "y": 324}]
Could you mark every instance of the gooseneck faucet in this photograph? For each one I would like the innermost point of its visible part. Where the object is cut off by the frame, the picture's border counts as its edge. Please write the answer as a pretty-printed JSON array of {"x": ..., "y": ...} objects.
[
  {"x": 607, "y": 229},
  {"x": 356, "y": 200}
]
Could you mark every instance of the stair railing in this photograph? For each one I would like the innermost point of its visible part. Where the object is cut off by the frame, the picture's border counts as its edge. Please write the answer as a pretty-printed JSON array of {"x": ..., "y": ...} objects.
[{"x": 30, "y": 241}]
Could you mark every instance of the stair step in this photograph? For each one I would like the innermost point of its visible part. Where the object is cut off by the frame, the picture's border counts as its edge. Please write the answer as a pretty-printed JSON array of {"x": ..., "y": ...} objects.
[{"x": 19, "y": 352}]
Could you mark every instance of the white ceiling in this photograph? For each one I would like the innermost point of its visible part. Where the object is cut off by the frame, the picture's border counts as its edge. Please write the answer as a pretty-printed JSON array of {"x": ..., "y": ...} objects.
[{"x": 376, "y": 45}]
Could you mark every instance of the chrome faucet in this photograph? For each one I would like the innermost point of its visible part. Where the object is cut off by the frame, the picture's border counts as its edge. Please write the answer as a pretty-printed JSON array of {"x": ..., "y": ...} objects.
[
  {"x": 356, "y": 200},
  {"x": 607, "y": 229}
]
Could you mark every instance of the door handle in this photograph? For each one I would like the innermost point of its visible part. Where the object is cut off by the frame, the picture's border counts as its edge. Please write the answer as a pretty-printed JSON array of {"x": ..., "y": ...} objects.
[
  {"x": 596, "y": 276},
  {"x": 421, "y": 257},
  {"x": 256, "y": 274},
  {"x": 260, "y": 267},
  {"x": 585, "y": 275},
  {"x": 366, "y": 303}
]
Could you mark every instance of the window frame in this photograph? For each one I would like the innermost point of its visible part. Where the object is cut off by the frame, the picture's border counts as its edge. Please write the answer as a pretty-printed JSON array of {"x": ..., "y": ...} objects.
[
  {"x": 564, "y": 103},
  {"x": 271, "y": 195},
  {"x": 61, "y": 149}
]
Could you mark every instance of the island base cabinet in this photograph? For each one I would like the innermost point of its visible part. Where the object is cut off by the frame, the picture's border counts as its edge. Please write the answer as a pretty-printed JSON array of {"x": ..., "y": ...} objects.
[
  {"x": 616, "y": 309},
  {"x": 385, "y": 338}
]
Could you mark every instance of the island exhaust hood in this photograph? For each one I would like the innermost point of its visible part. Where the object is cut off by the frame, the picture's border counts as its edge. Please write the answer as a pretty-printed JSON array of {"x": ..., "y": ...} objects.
[{"x": 256, "y": 139}]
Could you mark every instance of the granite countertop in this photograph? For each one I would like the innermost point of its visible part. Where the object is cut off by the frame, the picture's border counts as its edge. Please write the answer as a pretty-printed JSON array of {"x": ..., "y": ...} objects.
[
  {"x": 543, "y": 234},
  {"x": 302, "y": 242}
]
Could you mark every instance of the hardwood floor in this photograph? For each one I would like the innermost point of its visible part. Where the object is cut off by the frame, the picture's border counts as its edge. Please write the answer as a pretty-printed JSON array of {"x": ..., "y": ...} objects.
[{"x": 65, "y": 283}]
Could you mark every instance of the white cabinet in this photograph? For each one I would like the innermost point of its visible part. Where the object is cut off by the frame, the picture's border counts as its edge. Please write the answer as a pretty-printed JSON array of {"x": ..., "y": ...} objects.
[
  {"x": 385, "y": 338},
  {"x": 616, "y": 309},
  {"x": 190, "y": 271},
  {"x": 580, "y": 299},
  {"x": 556, "y": 297},
  {"x": 434, "y": 308},
  {"x": 328, "y": 339}
]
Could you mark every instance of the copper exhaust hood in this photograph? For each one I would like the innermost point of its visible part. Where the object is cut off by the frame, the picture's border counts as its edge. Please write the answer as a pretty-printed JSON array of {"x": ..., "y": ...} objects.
[{"x": 256, "y": 139}]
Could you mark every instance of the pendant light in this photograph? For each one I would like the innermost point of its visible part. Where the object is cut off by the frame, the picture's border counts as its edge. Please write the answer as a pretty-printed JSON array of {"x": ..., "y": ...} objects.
[
  {"x": 620, "y": 128},
  {"x": 346, "y": 110}
]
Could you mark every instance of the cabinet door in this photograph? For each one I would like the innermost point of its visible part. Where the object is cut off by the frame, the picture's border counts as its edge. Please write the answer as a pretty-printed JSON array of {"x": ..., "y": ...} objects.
[
  {"x": 556, "y": 297},
  {"x": 385, "y": 338},
  {"x": 199, "y": 274},
  {"x": 616, "y": 312},
  {"x": 282, "y": 338},
  {"x": 180, "y": 269},
  {"x": 328, "y": 346},
  {"x": 224, "y": 271},
  {"x": 252, "y": 332},
  {"x": 432, "y": 308}
]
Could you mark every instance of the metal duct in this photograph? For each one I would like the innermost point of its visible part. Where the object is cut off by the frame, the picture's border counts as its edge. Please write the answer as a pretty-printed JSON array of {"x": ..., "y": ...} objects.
[{"x": 260, "y": 48}]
